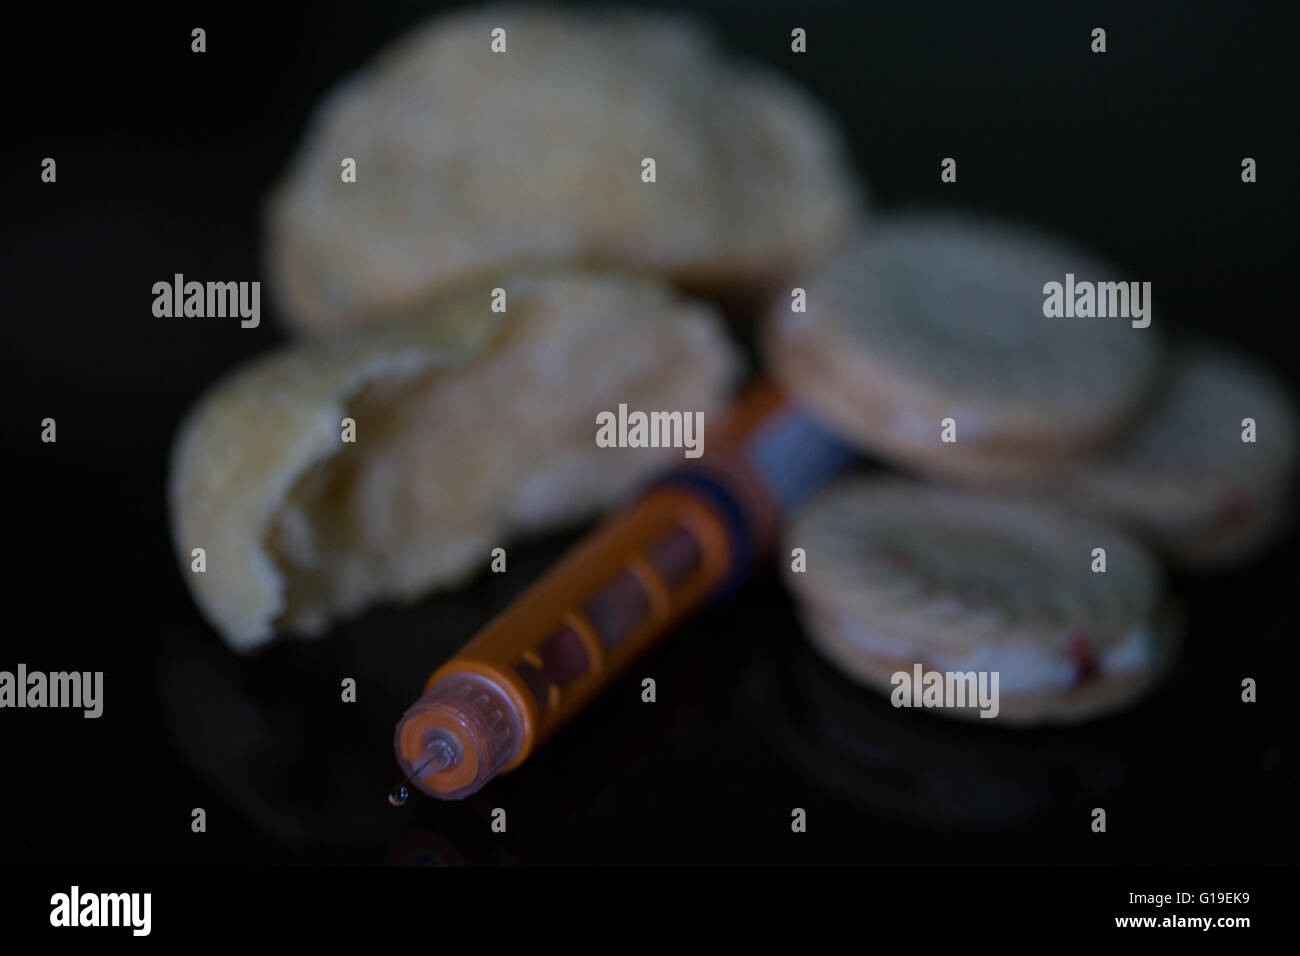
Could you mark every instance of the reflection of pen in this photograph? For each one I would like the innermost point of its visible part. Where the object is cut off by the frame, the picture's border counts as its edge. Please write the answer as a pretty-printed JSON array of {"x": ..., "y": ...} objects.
[{"x": 692, "y": 536}]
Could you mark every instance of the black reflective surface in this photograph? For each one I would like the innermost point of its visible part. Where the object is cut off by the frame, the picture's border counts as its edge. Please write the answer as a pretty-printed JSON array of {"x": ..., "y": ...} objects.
[{"x": 163, "y": 161}]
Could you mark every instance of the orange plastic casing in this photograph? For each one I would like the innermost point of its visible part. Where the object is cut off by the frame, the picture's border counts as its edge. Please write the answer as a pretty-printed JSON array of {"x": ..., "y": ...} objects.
[{"x": 618, "y": 592}]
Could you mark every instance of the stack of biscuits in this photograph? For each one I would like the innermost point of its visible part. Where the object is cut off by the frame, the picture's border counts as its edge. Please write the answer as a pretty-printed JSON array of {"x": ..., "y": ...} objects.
[
  {"x": 1048, "y": 454},
  {"x": 517, "y": 217},
  {"x": 502, "y": 227}
]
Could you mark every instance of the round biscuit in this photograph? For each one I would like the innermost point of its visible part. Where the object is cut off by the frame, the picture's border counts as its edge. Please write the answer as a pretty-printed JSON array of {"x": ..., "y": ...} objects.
[
  {"x": 469, "y": 428},
  {"x": 470, "y": 161},
  {"x": 901, "y": 574},
  {"x": 933, "y": 316},
  {"x": 1185, "y": 474}
]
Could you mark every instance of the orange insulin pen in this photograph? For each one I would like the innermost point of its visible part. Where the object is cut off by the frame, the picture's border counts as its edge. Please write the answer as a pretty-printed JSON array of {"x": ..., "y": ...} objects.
[{"x": 690, "y": 537}]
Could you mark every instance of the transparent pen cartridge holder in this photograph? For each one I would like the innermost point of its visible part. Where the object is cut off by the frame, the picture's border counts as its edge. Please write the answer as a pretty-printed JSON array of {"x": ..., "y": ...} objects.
[{"x": 458, "y": 736}]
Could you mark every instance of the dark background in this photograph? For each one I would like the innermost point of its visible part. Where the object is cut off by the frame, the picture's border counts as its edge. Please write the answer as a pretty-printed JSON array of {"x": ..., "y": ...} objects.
[{"x": 163, "y": 159}]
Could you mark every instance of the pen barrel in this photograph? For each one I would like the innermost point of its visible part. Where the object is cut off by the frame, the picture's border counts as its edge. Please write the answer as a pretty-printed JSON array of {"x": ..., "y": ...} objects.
[
  {"x": 691, "y": 537},
  {"x": 606, "y": 603}
]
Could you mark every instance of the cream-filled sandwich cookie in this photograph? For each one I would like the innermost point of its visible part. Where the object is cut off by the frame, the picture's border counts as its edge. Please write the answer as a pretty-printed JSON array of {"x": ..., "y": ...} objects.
[
  {"x": 1000, "y": 599},
  {"x": 928, "y": 342},
  {"x": 1209, "y": 472}
]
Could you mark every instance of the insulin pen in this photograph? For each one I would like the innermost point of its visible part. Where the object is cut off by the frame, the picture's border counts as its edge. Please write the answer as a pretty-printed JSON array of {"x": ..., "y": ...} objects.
[{"x": 691, "y": 536}]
